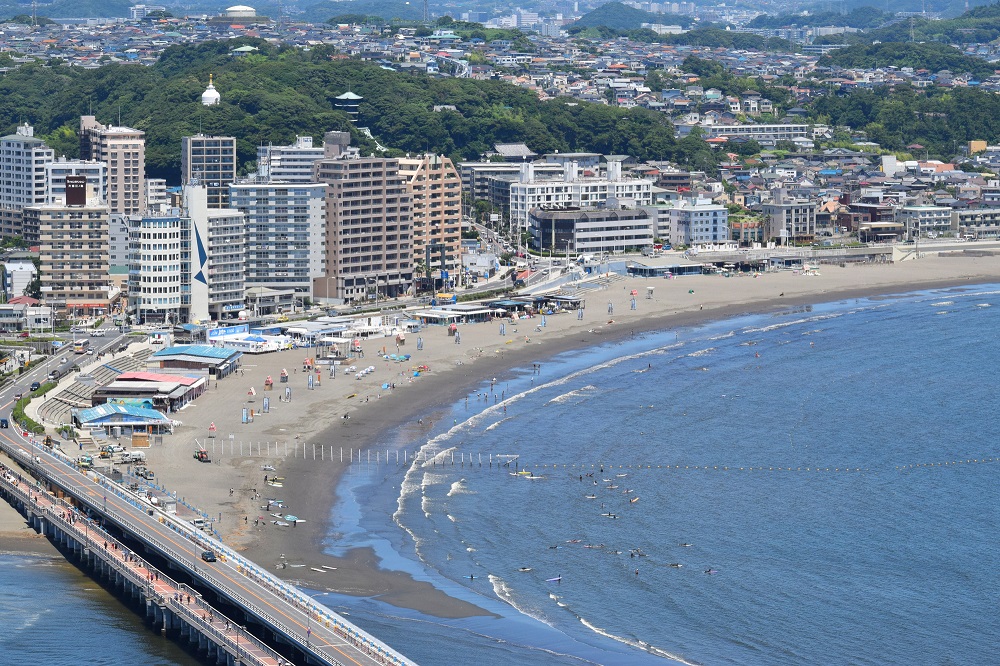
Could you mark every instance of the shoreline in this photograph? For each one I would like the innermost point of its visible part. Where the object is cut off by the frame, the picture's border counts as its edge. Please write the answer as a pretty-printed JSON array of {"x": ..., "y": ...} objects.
[
  {"x": 366, "y": 430},
  {"x": 316, "y": 417}
]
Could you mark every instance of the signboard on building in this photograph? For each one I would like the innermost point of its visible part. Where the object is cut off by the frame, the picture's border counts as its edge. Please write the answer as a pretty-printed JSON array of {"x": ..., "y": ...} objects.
[
  {"x": 223, "y": 331},
  {"x": 76, "y": 190}
]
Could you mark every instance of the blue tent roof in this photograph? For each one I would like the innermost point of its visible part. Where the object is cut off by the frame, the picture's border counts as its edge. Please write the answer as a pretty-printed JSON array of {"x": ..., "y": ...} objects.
[
  {"x": 206, "y": 351},
  {"x": 119, "y": 414}
]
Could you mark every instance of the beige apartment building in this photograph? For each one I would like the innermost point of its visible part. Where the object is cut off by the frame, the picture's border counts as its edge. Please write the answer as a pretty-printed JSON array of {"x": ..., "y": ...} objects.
[
  {"x": 123, "y": 149},
  {"x": 369, "y": 251},
  {"x": 435, "y": 190},
  {"x": 73, "y": 253}
]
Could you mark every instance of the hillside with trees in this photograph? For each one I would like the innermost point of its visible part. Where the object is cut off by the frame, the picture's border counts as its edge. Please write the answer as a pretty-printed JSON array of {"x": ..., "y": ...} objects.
[
  {"x": 279, "y": 92},
  {"x": 930, "y": 56},
  {"x": 618, "y": 16},
  {"x": 862, "y": 18}
]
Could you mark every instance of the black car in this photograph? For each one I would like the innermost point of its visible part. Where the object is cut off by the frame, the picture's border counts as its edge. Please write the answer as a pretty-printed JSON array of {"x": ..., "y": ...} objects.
[
  {"x": 208, "y": 556},
  {"x": 35, "y": 386}
]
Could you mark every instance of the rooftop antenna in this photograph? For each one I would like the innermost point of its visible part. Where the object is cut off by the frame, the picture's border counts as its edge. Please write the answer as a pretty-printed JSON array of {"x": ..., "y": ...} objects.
[
  {"x": 34, "y": 12},
  {"x": 119, "y": 115}
]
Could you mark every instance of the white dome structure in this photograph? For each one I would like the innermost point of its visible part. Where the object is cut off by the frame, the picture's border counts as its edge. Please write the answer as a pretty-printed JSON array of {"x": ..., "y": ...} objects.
[
  {"x": 211, "y": 96},
  {"x": 241, "y": 11}
]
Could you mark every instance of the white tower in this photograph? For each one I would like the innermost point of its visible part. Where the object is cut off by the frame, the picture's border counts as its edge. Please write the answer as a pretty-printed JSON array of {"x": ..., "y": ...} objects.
[{"x": 211, "y": 96}]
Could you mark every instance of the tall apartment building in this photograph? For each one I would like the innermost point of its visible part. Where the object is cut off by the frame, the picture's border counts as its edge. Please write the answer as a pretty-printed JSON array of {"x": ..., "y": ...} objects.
[
  {"x": 159, "y": 287},
  {"x": 210, "y": 160},
  {"x": 72, "y": 252},
  {"x": 218, "y": 258},
  {"x": 435, "y": 190},
  {"x": 285, "y": 231},
  {"x": 291, "y": 164},
  {"x": 124, "y": 151},
  {"x": 22, "y": 176},
  {"x": 368, "y": 243}
]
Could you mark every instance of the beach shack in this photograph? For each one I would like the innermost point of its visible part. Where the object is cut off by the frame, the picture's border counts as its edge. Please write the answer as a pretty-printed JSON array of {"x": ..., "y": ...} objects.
[
  {"x": 457, "y": 313},
  {"x": 126, "y": 418},
  {"x": 665, "y": 269},
  {"x": 218, "y": 362},
  {"x": 163, "y": 392}
]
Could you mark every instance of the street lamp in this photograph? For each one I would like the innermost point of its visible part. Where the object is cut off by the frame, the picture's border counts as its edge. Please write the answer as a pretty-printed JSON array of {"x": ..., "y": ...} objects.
[{"x": 309, "y": 612}]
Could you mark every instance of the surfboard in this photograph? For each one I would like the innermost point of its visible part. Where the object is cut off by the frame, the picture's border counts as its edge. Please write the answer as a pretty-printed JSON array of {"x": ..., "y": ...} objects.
[{"x": 553, "y": 580}]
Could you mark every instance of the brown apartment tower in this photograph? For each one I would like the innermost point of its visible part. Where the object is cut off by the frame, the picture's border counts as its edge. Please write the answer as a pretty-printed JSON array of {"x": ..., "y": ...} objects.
[
  {"x": 369, "y": 250},
  {"x": 124, "y": 151}
]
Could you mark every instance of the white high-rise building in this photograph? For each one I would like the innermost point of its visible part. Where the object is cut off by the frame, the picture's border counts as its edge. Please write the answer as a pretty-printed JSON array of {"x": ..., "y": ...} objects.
[
  {"x": 292, "y": 164},
  {"x": 159, "y": 267},
  {"x": 22, "y": 176},
  {"x": 285, "y": 229},
  {"x": 218, "y": 257},
  {"x": 575, "y": 191}
]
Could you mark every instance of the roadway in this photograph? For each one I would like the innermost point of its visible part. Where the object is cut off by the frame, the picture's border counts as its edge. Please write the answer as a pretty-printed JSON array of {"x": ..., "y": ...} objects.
[{"x": 312, "y": 628}]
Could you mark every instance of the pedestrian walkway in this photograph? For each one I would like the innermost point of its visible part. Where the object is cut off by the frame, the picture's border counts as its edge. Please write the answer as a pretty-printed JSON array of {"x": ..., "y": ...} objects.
[{"x": 167, "y": 594}]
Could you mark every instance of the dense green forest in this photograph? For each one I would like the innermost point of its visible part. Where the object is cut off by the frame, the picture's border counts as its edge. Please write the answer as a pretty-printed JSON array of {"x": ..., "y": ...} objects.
[
  {"x": 279, "y": 92},
  {"x": 940, "y": 119},
  {"x": 931, "y": 56}
]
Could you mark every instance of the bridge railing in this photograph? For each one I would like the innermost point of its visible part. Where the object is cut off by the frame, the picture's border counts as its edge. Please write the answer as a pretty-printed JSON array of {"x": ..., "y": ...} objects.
[
  {"x": 330, "y": 620},
  {"x": 97, "y": 540}
]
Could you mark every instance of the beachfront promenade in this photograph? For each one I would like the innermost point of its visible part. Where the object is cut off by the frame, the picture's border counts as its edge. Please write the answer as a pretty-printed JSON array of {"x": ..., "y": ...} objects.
[{"x": 274, "y": 623}]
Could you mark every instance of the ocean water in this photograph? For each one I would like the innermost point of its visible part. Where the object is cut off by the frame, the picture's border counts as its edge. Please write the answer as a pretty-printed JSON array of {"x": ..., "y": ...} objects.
[
  {"x": 53, "y": 614},
  {"x": 834, "y": 467}
]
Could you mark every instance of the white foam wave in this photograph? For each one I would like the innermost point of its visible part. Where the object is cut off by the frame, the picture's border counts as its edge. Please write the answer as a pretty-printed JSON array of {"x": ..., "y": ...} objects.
[
  {"x": 505, "y": 593},
  {"x": 494, "y": 425},
  {"x": 642, "y": 645},
  {"x": 425, "y": 506},
  {"x": 451, "y": 517},
  {"x": 723, "y": 336},
  {"x": 942, "y": 303},
  {"x": 794, "y": 322},
  {"x": 582, "y": 392},
  {"x": 701, "y": 352},
  {"x": 459, "y": 488},
  {"x": 439, "y": 457}
]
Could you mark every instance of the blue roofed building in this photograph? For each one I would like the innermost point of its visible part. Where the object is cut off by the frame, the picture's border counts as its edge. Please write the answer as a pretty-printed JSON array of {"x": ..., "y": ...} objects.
[
  {"x": 219, "y": 362},
  {"x": 128, "y": 418}
]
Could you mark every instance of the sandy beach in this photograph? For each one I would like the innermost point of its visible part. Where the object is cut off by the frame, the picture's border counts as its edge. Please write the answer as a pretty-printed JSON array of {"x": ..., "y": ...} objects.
[{"x": 315, "y": 418}]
